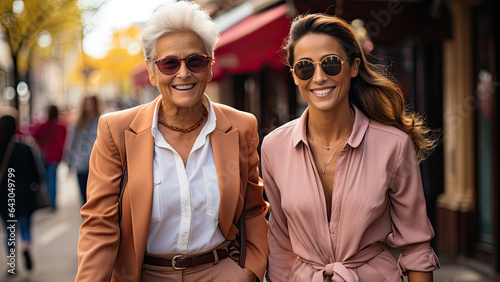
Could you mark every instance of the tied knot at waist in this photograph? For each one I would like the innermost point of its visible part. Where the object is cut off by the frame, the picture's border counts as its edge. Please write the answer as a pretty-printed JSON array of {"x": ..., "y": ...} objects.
[
  {"x": 338, "y": 271},
  {"x": 343, "y": 271}
]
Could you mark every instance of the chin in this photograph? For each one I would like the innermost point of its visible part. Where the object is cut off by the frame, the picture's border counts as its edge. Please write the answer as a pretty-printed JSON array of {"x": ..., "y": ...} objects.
[
  {"x": 324, "y": 105},
  {"x": 186, "y": 101}
]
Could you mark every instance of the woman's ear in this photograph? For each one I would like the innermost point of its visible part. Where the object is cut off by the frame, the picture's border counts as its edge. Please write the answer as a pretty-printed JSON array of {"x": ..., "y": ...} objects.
[
  {"x": 295, "y": 78},
  {"x": 152, "y": 77},
  {"x": 355, "y": 67},
  {"x": 210, "y": 72}
]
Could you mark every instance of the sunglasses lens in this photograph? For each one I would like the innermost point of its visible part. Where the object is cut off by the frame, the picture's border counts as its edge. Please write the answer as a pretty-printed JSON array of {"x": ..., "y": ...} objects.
[
  {"x": 304, "y": 69},
  {"x": 331, "y": 65},
  {"x": 197, "y": 63},
  {"x": 169, "y": 65}
]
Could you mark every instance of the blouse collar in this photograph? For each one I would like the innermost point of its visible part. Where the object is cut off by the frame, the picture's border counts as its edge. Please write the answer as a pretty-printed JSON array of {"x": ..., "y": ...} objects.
[{"x": 358, "y": 130}]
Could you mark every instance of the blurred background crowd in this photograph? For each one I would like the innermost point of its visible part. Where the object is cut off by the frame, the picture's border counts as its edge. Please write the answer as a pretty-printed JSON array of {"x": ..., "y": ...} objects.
[{"x": 57, "y": 77}]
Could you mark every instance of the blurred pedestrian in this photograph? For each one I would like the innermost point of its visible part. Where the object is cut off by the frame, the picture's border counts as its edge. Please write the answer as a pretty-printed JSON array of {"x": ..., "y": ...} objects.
[
  {"x": 20, "y": 178},
  {"x": 83, "y": 134},
  {"x": 50, "y": 137},
  {"x": 190, "y": 167},
  {"x": 343, "y": 179}
]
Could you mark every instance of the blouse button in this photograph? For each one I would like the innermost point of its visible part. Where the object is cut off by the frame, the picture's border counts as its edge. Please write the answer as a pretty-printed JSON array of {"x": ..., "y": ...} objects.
[{"x": 192, "y": 156}]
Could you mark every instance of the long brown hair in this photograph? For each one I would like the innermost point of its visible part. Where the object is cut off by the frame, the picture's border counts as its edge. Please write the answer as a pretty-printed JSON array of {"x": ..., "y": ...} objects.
[
  {"x": 372, "y": 90},
  {"x": 82, "y": 117}
]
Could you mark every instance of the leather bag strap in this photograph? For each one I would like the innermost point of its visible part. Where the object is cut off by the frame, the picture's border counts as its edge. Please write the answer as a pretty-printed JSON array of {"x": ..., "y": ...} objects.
[
  {"x": 243, "y": 239},
  {"x": 123, "y": 183}
]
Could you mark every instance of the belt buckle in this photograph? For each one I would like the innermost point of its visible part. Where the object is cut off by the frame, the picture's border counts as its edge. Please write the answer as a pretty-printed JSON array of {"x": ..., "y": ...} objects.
[
  {"x": 174, "y": 262},
  {"x": 216, "y": 257}
]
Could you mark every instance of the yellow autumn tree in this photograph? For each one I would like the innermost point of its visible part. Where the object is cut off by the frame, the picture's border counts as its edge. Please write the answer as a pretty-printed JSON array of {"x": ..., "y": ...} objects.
[
  {"x": 116, "y": 67},
  {"x": 26, "y": 21}
]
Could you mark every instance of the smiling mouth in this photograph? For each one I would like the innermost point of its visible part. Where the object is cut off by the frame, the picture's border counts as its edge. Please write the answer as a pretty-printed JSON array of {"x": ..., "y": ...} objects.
[
  {"x": 184, "y": 87},
  {"x": 322, "y": 92}
]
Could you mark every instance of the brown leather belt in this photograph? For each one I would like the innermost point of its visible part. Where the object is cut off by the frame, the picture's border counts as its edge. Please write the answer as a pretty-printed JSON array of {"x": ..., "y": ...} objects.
[{"x": 180, "y": 262}]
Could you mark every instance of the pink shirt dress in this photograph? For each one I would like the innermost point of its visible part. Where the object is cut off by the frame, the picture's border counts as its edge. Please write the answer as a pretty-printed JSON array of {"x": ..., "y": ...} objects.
[{"x": 377, "y": 199}]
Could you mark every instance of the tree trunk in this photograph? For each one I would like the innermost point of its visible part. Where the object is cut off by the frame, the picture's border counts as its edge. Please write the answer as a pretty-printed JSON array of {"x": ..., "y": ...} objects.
[
  {"x": 30, "y": 93},
  {"x": 15, "y": 73}
]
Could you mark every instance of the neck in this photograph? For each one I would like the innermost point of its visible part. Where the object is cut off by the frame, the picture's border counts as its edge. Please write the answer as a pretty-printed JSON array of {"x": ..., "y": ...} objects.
[
  {"x": 180, "y": 117},
  {"x": 327, "y": 128}
]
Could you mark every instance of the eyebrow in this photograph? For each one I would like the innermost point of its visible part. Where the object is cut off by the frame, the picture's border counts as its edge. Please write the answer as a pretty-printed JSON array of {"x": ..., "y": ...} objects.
[
  {"x": 307, "y": 58},
  {"x": 189, "y": 55}
]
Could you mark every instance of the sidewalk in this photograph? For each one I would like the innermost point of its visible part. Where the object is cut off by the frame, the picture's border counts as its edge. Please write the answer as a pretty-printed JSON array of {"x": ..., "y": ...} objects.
[
  {"x": 452, "y": 271},
  {"x": 55, "y": 240}
]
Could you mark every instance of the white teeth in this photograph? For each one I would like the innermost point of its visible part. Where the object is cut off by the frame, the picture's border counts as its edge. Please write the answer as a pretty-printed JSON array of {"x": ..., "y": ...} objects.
[
  {"x": 322, "y": 91},
  {"x": 184, "y": 87}
]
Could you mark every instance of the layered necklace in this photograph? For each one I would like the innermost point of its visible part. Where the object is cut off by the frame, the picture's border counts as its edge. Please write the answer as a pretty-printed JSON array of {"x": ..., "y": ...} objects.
[
  {"x": 337, "y": 147},
  {"x": 186, "y": 130}
]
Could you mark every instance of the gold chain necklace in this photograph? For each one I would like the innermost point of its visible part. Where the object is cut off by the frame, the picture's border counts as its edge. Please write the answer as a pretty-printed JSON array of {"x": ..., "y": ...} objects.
[
  {"x": 325, "y": 164},
  {"x": 186, "y": 130},
  {"x": 317, "y": 145}
]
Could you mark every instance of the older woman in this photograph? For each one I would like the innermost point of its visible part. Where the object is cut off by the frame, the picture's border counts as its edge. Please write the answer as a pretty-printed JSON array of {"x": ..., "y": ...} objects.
[
  {"x": 190, "y": 168},
  {"x": 343, "y": 179}
]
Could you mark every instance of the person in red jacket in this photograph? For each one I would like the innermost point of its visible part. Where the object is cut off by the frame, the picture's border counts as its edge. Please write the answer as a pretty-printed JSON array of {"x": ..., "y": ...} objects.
[{"x": 50, "y": 137}]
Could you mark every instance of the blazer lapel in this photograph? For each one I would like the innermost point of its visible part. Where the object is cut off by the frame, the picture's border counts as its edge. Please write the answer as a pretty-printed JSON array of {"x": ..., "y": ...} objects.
[
  {"x": 225, "y": 146},
  {"x": 139, "y": 145}
]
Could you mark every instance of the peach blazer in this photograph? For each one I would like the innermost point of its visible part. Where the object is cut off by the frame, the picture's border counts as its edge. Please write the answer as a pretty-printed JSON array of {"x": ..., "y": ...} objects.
[{"x": 109, "y": 250}]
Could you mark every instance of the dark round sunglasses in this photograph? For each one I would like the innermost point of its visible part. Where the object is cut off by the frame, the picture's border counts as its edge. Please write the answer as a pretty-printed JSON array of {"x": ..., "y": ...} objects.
[
  {"x": 330, "y": 64},
  {"x": 195, "y": 63}
]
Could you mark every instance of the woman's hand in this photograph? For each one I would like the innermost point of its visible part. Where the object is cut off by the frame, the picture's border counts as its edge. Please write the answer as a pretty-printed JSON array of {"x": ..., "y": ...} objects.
[{"x": 250, "y": 274}]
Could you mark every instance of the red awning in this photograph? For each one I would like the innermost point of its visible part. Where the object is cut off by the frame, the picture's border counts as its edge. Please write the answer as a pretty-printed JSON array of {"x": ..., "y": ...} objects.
[
  {"x": 251, "y": 43},
  {"x": 140, "y": 75}
]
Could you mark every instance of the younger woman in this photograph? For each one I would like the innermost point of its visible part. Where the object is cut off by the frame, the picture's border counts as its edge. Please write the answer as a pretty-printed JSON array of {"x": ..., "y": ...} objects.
[{"x": 343, "y": 179}]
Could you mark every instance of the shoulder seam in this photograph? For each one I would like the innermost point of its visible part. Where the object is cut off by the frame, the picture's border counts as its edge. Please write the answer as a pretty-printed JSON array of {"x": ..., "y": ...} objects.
[
  {"x": 282, "y": 127},
  {"x": 401, "y": 134}
]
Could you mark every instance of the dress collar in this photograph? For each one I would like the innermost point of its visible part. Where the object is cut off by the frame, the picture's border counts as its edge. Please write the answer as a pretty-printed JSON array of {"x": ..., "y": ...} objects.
[{"x": 359, "y": 128}]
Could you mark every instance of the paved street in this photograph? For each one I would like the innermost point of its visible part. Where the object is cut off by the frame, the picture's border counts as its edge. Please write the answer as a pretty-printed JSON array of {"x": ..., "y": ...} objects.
[{"x": 55, "y": 239}]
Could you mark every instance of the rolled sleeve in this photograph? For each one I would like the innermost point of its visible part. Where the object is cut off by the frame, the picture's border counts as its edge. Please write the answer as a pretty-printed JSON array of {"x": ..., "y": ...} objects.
[
  {"x": 411, "y": 228},
  {"x": 419, "y": 257}
]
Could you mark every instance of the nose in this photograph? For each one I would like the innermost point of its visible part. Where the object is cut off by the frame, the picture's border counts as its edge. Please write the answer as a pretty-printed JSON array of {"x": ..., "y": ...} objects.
[
  {"x": 319, "y": 75},
  {"x": 183, "y": 71}
]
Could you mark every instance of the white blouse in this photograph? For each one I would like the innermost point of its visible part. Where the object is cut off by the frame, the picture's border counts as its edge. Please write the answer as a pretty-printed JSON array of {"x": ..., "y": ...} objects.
[{"x": 185, "y": 215}]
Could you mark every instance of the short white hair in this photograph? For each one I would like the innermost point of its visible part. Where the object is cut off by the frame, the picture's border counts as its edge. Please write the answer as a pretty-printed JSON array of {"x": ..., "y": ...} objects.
[{"x": 179, "y": 16}]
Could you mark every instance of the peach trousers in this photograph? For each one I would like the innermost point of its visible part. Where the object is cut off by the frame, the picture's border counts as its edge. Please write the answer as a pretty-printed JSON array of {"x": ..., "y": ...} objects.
[{"x": 226, "y": 270}]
